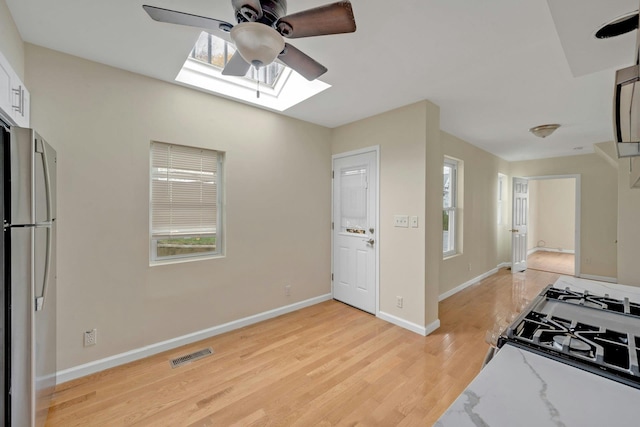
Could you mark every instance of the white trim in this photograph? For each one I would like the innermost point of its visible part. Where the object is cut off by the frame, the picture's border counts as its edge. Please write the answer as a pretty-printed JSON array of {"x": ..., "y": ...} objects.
[
  {"x": 504, "y": 265},
  {"x": 542, "y": 249},
  {"x": 421, "y": 330},
  {"x": 140, "y": 353},
  {"x": 376, "y": 149},
  {"x": 465, "y": 285},
  {"x": 599, "y": 278}
]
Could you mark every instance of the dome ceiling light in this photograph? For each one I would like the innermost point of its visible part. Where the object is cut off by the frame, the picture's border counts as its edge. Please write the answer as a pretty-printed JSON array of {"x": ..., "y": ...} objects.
[{"x": 544, "y": 131}]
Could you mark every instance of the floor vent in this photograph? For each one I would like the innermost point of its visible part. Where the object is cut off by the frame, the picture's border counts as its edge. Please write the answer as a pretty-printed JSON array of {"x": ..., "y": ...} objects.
[{"x": 183, "y": 360}]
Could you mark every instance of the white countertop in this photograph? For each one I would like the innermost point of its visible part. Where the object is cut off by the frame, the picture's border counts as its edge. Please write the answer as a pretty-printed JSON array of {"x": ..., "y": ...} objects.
[
  {"x": 599, "y": 288},
  {"x": 521, "y": 388}
]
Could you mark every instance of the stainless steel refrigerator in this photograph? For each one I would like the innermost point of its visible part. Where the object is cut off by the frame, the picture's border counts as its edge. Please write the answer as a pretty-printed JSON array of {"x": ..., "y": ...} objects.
[{"x": 28, "y": 306}]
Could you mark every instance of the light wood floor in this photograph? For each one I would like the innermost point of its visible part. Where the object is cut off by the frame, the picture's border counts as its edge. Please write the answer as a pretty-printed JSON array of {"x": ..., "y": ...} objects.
[
  {"x": 325, "y": 365},
  {"x": 554, "y": 262}
]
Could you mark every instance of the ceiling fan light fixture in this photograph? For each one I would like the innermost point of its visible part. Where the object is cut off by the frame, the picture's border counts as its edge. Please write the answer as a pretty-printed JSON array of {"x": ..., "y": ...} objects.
[
  {"x": 258, "y": 44},
  {"x": 544, "y": 131}
]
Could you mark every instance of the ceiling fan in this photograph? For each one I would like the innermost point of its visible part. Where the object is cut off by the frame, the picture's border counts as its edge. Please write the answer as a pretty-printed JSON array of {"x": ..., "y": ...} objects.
[{"x": 262, "y": 26}]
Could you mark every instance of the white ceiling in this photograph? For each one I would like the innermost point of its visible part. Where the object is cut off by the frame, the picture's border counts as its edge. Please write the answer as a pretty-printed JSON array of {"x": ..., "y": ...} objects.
[{"x": 495, "y": 67}]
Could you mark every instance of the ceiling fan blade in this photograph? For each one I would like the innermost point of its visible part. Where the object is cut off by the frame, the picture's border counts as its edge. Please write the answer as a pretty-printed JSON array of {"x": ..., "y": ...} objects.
[
  {"x": 181, "y": 18},
  {"x": 254, "y": 11},
  {"x": 306, "y": 66},
  {"x": 237, "y": 66},
  {"x": 336, "y": 18}
]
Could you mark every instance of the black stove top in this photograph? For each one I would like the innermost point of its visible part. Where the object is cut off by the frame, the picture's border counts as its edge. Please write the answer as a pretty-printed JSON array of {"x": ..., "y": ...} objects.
[
  {"x": 595, "y": 333},
  {"x": 594, "y": 301}
]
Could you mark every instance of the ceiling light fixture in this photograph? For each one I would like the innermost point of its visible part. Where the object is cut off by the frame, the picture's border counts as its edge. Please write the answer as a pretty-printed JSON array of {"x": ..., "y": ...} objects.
[
  {"x": 621, "y": 25},
  {"x": 544, "y": 131},
  {"x": 257, "y": 43}
]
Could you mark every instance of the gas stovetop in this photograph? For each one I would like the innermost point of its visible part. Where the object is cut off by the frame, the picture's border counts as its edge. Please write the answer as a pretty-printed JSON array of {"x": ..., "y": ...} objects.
[{"x": 595, "y": 333}]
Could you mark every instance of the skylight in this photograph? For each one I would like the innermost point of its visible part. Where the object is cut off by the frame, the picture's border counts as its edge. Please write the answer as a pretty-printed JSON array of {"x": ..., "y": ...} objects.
[{"x": 280, "y": 86}]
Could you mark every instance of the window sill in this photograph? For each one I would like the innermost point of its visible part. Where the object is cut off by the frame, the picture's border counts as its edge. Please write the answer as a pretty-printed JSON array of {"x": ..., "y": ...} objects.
[
  {"x": 183, "y": 260},
  {"x": 451, "y": 256}
]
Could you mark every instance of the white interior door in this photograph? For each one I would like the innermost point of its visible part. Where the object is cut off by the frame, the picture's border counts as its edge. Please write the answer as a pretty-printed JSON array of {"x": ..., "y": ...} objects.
[
  {"x": 355, "y": 193},
  {"x": 519, "y": 224}
]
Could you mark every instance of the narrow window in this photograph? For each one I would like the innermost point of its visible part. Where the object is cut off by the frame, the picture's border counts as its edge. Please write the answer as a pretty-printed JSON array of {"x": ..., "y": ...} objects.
[
  {"x": 501, "y": 181},
  {"x": 450, "y": 181},
  {"x": 185, "y": 202}
]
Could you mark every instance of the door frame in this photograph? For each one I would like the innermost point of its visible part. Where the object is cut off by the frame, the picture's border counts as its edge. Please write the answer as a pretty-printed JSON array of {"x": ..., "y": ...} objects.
[
  {"x": 376, "y": 247},
  {"x": 578, "y": 214}
]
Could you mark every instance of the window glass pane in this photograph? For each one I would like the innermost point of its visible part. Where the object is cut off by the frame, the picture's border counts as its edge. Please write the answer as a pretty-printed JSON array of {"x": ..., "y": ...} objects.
[
  {"x": 353, "y": 200},
  {"x": 201, "y": 49},
  {"x": 448, "y": 181},
  {"x": 267, "y": 75},
  {"x": 212, "y": 50},
  {"x": 218, "y": 53},
  {"x": 448, "y": 231},
  {"x": 186, "y": 246},
  {"x": 500, "y": 197},
  {"x": 184, "y": 200},
  {"x": 449, "y": 206}
]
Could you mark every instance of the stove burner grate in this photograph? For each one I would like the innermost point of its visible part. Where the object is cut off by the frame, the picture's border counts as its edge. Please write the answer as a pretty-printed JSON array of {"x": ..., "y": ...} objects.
[{"x": 585, "y": 299}]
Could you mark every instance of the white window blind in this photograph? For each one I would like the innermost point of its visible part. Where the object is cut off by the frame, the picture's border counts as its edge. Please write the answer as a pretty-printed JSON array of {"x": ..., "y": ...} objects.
[{"x": 184, "y": 190}]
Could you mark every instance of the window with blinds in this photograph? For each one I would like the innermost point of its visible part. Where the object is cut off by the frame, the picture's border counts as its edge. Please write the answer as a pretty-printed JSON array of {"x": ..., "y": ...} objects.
[{"x": 185, "y": 202}]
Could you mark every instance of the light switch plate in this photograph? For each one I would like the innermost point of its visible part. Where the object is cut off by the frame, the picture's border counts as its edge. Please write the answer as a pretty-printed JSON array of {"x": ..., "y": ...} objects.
[
  {"x": 401, "y": 221},
  {"x": 414, "y": 222}
]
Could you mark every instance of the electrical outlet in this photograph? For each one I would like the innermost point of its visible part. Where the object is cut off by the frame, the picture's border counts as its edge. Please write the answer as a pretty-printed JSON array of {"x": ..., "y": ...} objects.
[
  {"x": 287, "y": 290},
  {"x": 401, "y": 221},
  {"x": 399, "y": 302},
  {"x": 414, "y": 222},
  {"x": 90, "y": 337}
]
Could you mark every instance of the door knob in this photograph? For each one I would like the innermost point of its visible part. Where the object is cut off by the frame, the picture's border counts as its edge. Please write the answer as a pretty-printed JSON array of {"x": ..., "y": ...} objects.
[{"x": 370, "y": 242}]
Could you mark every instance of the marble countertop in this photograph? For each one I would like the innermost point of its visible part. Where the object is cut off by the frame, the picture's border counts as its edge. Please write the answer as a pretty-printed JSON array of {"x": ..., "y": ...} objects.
[
  {"x": 599, "y": 288},
  {"x": 521, "y": 388}
]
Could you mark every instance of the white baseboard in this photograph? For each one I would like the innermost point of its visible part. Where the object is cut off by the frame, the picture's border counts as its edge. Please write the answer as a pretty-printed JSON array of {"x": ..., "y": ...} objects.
[
  {"x": 541, "y": 249},
  {"x": 422, "y": 330},
  {"x": 504, "y": 265},
  {"x": 465, "y": 285},
  {"x": 150, "y": 350},
  {"x": 599, "y": 278}
]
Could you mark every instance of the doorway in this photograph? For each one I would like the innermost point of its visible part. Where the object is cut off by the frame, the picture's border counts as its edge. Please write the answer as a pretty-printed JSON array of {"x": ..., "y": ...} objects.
[
  {"x": 554, "y": 224},
  {"x": 355, "y": 239}
]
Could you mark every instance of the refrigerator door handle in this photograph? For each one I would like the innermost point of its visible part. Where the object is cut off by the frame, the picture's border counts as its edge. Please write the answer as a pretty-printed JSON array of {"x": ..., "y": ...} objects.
[
  {"x": 47, "y": 270},
  {"x": 40, "y": 149}
]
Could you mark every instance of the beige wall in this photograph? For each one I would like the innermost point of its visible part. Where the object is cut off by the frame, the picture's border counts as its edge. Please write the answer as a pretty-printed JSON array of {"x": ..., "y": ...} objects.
[
  {"x": 278, "y": 193},
  {"x": 401, "y": 135},
  {"x": 598, "y": 206},
  {"x": 478, "y": 215},
  {"x": 11, "y": 44},
  {"x": 433, "y": 212},
  {"x": 555, "y": 205}
]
